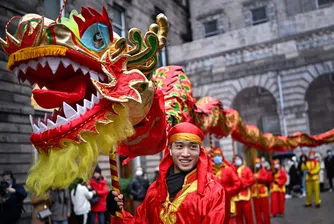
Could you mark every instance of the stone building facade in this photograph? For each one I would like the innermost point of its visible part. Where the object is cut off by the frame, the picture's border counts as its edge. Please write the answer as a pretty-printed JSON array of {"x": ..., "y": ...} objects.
[
  {"x": 272, "y": 60},
  {"x": 16, "y": 152}
]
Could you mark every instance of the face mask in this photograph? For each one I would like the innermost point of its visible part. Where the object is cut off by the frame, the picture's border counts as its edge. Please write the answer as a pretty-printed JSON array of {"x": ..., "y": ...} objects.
[
  {"x": 329, "y": 153},
  {"x": 217, "y": 160},
  {"x": 258, "y": 165},
  {"x": 276, "y": 166},
  {"x": 263, "y": 159},
  {"x": 311, "y": 157},
  {"x": 139, "y": 173},
  {"x": 238, "y": 162}
]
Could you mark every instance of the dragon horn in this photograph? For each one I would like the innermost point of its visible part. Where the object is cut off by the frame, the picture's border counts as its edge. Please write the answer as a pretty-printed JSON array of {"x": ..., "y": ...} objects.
[{"x": 161, "y": 29}]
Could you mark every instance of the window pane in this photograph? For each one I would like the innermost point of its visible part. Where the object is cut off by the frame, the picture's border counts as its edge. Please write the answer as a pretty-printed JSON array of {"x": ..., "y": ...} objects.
[
  {"x": 117, "y": 30},
  {"x": 117, "y": 16},
  {"x": 210, "y": 28},
  {"x": 259, "y": 15}
]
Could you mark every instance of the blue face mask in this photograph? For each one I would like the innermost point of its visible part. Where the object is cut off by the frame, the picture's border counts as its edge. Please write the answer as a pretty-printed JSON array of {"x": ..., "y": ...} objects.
[
  {"x": 329, "y": 153},
  {"x": 258, "y": 165},
  {"x": 276, "y": 166},
  {"x": 238, "y": 162},
  {"x": 311, "y": 157},
  {"x": 218, "y": 160}
]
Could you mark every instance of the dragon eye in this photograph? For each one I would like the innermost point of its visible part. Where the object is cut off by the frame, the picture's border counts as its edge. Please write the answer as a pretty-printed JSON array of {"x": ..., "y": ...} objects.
[{"x": 96, "y": 37}]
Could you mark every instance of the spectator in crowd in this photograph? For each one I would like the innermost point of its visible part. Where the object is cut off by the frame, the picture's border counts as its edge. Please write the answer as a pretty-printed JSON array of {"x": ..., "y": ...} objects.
[
  {"x": 80, "y": 196},
  {"x": 138, "y": 188},
  {"x": 318, "y": 157},
  {"x": 11, "y": 198},
  {"x": 99, "y": 205},
  {"x": 329, "y": 166},
  {"x": 294, "y": 174},
  {"x": 146, "y": 180},
  {"x": 156, "y": 173},
  {"x": 40, "y": 203},
  {"x": 265, "y": 163},
  {"x": 60, "y": 206},
  {"x": 302, "y": 159}
]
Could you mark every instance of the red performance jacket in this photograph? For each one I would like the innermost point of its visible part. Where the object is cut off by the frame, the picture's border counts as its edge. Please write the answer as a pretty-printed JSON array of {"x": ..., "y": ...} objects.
[
  {"x": 259, "y": 189},
  {"x": 229, "y": 179},
  {"x": 247, "y": 180},
  {"x": 201, "y": 200},
  {"x": 278, "y": 181}
]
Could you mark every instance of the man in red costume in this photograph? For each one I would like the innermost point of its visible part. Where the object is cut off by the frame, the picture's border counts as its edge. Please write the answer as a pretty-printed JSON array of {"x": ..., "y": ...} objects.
[
  {"x": 260, "y": 193},
  {"x": 277, "y": 190},
  {"x": 228, "y": 178},
  {"x": 185, "y": 192},
  {"x": 243, "y": 199}
]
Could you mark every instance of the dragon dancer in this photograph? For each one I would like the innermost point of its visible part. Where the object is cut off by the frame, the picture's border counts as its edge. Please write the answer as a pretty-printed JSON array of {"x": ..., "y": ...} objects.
[
  {"x": 260, "y": 193},
  {"x": 243, "y": 199},
  {"x": 277, "y": 190},
  {"x": 228, "y": 178},
  {"x": 185, "y": 192},
  {"x": 312, "y": 167}
]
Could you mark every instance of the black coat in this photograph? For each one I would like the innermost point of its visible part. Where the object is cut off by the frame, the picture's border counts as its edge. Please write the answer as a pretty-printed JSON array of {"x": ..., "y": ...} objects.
[
  {"x": 10, "y": 210},
  {"x": 329, "y": 166},
  {"x": 294, "y": 175},
  {"x": 138, "y": 188}
]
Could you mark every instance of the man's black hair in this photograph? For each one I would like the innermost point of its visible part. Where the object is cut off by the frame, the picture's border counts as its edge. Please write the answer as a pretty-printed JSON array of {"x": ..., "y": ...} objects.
[{"x": 8, "y": 172}]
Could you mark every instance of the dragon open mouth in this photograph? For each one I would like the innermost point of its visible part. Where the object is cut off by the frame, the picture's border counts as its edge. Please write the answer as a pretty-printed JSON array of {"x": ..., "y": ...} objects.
[{"x": 65, "y": 87}]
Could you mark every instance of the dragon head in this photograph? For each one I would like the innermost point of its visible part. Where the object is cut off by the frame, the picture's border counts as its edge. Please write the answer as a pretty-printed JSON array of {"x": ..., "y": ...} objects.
[{"x": 98, "y": 85}]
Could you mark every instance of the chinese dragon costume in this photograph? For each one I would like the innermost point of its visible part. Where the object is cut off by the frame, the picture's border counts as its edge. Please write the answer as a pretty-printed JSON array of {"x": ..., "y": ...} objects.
[{"x": 108, "y": 96}]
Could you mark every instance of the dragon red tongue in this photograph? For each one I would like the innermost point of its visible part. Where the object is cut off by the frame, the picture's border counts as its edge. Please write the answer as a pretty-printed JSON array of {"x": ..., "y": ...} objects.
[{"x": 70, "y": 91}]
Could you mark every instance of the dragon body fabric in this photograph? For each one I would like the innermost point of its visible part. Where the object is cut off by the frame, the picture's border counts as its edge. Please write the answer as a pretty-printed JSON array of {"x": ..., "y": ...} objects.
[{"x": 107, "y": 96}]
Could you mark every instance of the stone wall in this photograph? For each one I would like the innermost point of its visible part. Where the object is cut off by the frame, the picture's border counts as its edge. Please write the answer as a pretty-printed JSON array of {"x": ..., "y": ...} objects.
[{"x": 295, "y": 46}]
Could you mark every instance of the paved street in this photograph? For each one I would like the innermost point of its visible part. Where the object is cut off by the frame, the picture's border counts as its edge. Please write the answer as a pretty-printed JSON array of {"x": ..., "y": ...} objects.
[{"x": 295, "y": 213}]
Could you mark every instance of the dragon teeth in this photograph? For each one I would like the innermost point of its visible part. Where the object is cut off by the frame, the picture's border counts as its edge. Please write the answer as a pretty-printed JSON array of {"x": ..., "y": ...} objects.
[
  {"x": 84, "y": 70},
  {"x": 54, "y": 64},
  {"x": 95, "y": 99},
  {"x": 42, "y": 127},
  {"x": 101, "y": 77},
  {"x": 61, "y": 120},
  {"x": 75, "y": 66},
  {"x": 66, "y": 62},
  {"x": 32, "y": 121},
  {"x": 42, "y": 61},
  {"x": 50, "y": 124},
  {"x": 16, "y": 71},
  {"x": 87, "y": 104},
  {"x": 33, "y": 64},
  {"x": 35, "y": 128},
  {"x": 68, "y": 110},
  {"x": 94, "y": 76},
  {"x": 80, "y": 109},
  {"x": 23, "y": 68}
]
